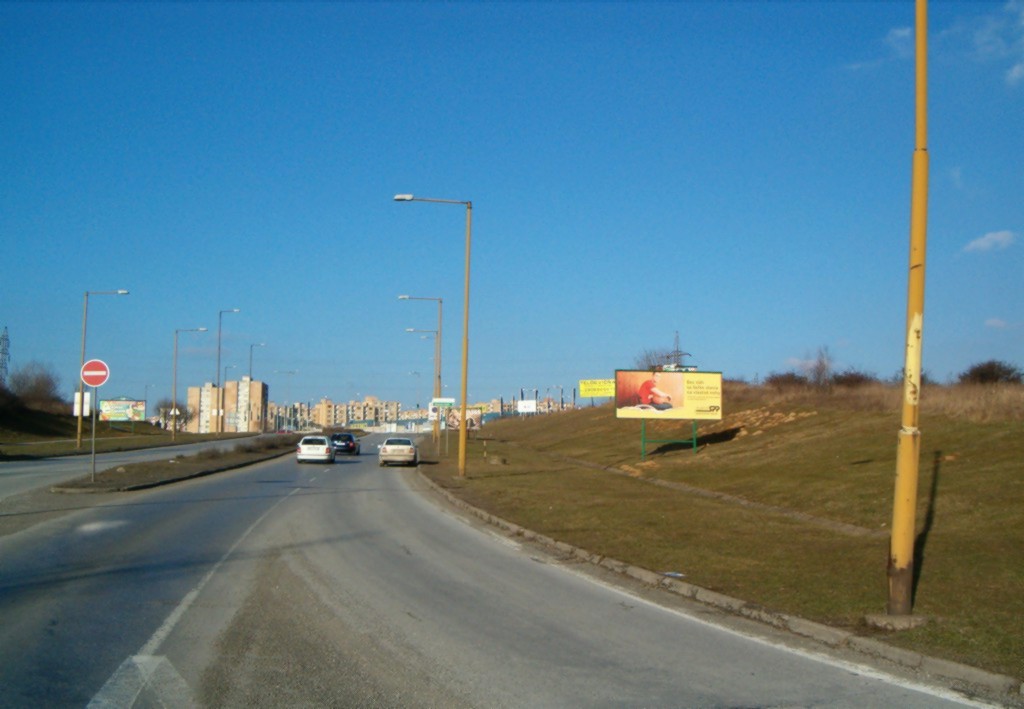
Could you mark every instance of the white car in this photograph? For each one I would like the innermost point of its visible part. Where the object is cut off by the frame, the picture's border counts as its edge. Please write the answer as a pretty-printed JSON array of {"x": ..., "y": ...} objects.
[
  {"x": 315, "y": 448},
  {"x": 398, "y": 450}
]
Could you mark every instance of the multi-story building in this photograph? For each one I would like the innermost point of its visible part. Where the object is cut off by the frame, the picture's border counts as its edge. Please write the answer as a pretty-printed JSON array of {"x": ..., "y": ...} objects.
[
  {"x": 237, "y": 407},
  {"x": 372, "y": 411},
  {"x": 328, "y": 414}
]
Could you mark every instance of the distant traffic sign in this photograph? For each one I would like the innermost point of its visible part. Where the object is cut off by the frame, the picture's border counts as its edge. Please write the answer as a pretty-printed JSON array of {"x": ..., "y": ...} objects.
[{"x": 95, "y": 373}]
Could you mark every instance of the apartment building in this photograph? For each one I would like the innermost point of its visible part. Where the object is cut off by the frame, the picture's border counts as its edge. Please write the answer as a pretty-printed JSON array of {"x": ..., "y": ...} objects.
[{"x": 237, "y": 407}]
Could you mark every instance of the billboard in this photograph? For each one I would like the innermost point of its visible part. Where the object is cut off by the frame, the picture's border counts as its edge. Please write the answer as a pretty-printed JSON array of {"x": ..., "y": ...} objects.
[
  {"x": 526, "y": 406},
  {"x": 122, "y": 410},
  {"x": 597, "y": 387},
  {"x": 642, "y": 394},
  {"x": 453, "y": 416}
]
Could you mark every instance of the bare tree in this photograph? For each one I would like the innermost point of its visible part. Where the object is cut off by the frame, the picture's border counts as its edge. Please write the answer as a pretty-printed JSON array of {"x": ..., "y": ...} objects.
[
  {"x": 650, "y": 359},
  {"x": 37, "y": 386},
  {"x": 819, "y": 370},
  {"x": 164, "y": 408}
]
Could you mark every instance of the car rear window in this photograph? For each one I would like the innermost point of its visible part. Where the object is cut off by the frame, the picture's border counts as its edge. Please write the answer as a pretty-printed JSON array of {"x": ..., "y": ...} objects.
[
  {"x": 398, "y": 442},
  {"x": 314, "y": 442}
]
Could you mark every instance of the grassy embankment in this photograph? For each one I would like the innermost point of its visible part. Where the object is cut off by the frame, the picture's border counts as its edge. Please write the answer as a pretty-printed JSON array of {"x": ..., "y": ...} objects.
[{"x": 787, "y": 504}]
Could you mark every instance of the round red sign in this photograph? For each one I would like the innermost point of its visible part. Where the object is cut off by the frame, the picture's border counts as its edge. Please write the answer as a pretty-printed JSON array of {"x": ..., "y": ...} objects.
[{"x": 95, "y": 372}]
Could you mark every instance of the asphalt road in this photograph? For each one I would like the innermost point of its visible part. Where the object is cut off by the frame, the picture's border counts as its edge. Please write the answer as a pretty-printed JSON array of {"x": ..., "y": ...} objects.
[
  {"x": 20, "y": 476},
  {"x": 349, "y": 585}
]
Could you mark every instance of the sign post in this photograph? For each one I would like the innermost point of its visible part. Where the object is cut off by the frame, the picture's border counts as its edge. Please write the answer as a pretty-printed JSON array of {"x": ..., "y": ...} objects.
[{"x": 95, "y": 373}]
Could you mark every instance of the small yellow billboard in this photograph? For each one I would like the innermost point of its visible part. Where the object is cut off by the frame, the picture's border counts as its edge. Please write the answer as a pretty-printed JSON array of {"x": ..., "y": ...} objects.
[{"x": 597, "y": 387}]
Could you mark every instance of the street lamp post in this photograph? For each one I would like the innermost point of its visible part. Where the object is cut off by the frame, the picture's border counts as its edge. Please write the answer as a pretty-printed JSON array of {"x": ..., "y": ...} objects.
[
  {"x": 465, "y": 317},
  {"x": 437, "y": 359},
  {"x": 223, "y": 399},
  {"x": 174, "y": 385},
  {"x": 287, "y": 406},
  {"x": 81, "y": 384},
  {"x": 219, "y": 412},
  {"x": 260, "y": 344},
  {"x": 436, "y": 427}
]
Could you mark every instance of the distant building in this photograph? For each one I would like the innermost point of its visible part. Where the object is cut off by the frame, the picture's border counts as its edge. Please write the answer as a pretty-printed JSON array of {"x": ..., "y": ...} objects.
[
  {"x": 242, "y": 404},
  {"x": 371, "y": 411}
]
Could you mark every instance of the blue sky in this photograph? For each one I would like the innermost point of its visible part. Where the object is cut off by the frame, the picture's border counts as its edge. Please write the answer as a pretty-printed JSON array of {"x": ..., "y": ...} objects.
[{"x": 736, "y": 172}]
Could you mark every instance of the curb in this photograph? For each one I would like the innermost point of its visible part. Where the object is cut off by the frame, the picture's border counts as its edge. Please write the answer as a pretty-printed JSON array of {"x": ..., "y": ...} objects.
[
  {"x": 71, "y": 490},
  {"x": 970, "y": 681}
]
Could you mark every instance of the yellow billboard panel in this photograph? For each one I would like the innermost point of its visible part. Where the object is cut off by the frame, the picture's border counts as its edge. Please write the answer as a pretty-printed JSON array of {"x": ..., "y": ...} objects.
[
  {"x": 641, "y": 394},
  {"x": 597, "y": 387}
]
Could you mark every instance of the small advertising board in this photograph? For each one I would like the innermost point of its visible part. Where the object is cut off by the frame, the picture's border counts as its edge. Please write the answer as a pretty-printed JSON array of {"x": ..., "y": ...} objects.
[
  {"x": 454, "y": 416},
  {"x": 591, "y": 388},
  {"x": 526, "y": 406},
  {"x": 122, "y": 410}
]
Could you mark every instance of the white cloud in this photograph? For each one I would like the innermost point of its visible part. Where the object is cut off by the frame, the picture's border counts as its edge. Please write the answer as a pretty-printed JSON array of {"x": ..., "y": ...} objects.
[
  {"x": 996, "y": 37},
  {"x": 901, "y": 41},
  {"x": 900, "y": 44},
  {"x": 956, "y": 176},
  {"x": 1015, "y": 75},
  {"x": 997, "y": 323},
  {"x": 991, "y": 241}
]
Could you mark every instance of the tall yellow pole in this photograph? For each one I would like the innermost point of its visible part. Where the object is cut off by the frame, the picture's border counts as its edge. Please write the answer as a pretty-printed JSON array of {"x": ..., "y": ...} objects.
[
  {"x": 174, "y": 391},
  {"x": 437, "y": 377},
  {"x": 901, "y": 549},
  {"x": 463, "y": 421}
]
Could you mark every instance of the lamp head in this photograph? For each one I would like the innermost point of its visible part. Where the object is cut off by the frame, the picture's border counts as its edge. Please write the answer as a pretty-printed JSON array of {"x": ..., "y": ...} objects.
[
  {"x": 403, "y": 197},
  {"x": 122, "y": 292}
]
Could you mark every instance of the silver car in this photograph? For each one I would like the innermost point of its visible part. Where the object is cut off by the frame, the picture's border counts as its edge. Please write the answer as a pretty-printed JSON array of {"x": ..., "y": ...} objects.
[
  {"x": 398, "y": 450},
  {"x": 315, "y": 448}
]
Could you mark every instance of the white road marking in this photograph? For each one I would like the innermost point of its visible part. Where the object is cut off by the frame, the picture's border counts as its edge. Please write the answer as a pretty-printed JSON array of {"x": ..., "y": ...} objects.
[
  {"x": 852, "y": 667},
  {"x": 140, "y": 671},
  {"x": 97, "y": 527}
]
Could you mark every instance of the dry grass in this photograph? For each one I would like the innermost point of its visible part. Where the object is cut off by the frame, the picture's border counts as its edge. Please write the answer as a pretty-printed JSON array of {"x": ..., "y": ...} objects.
[
  {"x": 180, "y": 467},
  {"x": 977, "y": 403},
  {"x": 788, "y": 503}
]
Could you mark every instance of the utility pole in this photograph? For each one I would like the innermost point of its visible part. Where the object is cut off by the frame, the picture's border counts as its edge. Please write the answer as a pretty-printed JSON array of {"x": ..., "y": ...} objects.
[
  {"x": 908, "y": 451},
  {"x": 5, "y": 356}
]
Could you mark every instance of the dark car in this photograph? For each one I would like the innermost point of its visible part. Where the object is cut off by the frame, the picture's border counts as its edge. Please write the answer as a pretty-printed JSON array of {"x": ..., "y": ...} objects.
[{"x": 345, "y": 443}]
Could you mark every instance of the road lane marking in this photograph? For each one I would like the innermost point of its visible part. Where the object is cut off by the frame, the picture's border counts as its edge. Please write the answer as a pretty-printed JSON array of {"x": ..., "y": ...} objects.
[
  {"x": 138, "y": 670},
  {"x": 97, "y": 527}
]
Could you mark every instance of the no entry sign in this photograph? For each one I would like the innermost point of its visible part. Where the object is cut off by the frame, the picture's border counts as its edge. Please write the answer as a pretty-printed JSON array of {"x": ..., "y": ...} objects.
[{"x": 95, "y": 372}]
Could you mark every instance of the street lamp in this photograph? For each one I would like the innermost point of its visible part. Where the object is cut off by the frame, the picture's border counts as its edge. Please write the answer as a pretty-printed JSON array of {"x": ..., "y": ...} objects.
[
  {"x": 465, "y": 316},
  {"x": 219, "y": 412},
  {"x": 261, "y": 344},
  {"x": 287, "y": 407},
  {"x": 174, "y": 386},
  {"x": 81, "y": 384},
  {"x": 437, "y": 358},
  {"x": 222, "y": 398}
]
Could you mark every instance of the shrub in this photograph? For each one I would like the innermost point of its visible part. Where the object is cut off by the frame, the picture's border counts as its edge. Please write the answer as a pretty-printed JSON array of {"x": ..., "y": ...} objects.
[
  {"x": 38, "y": 387},
  {"x": 991, "y": 372},
  {"x": 853, "y": 378},
  {"x": 786, "y": 380}
]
